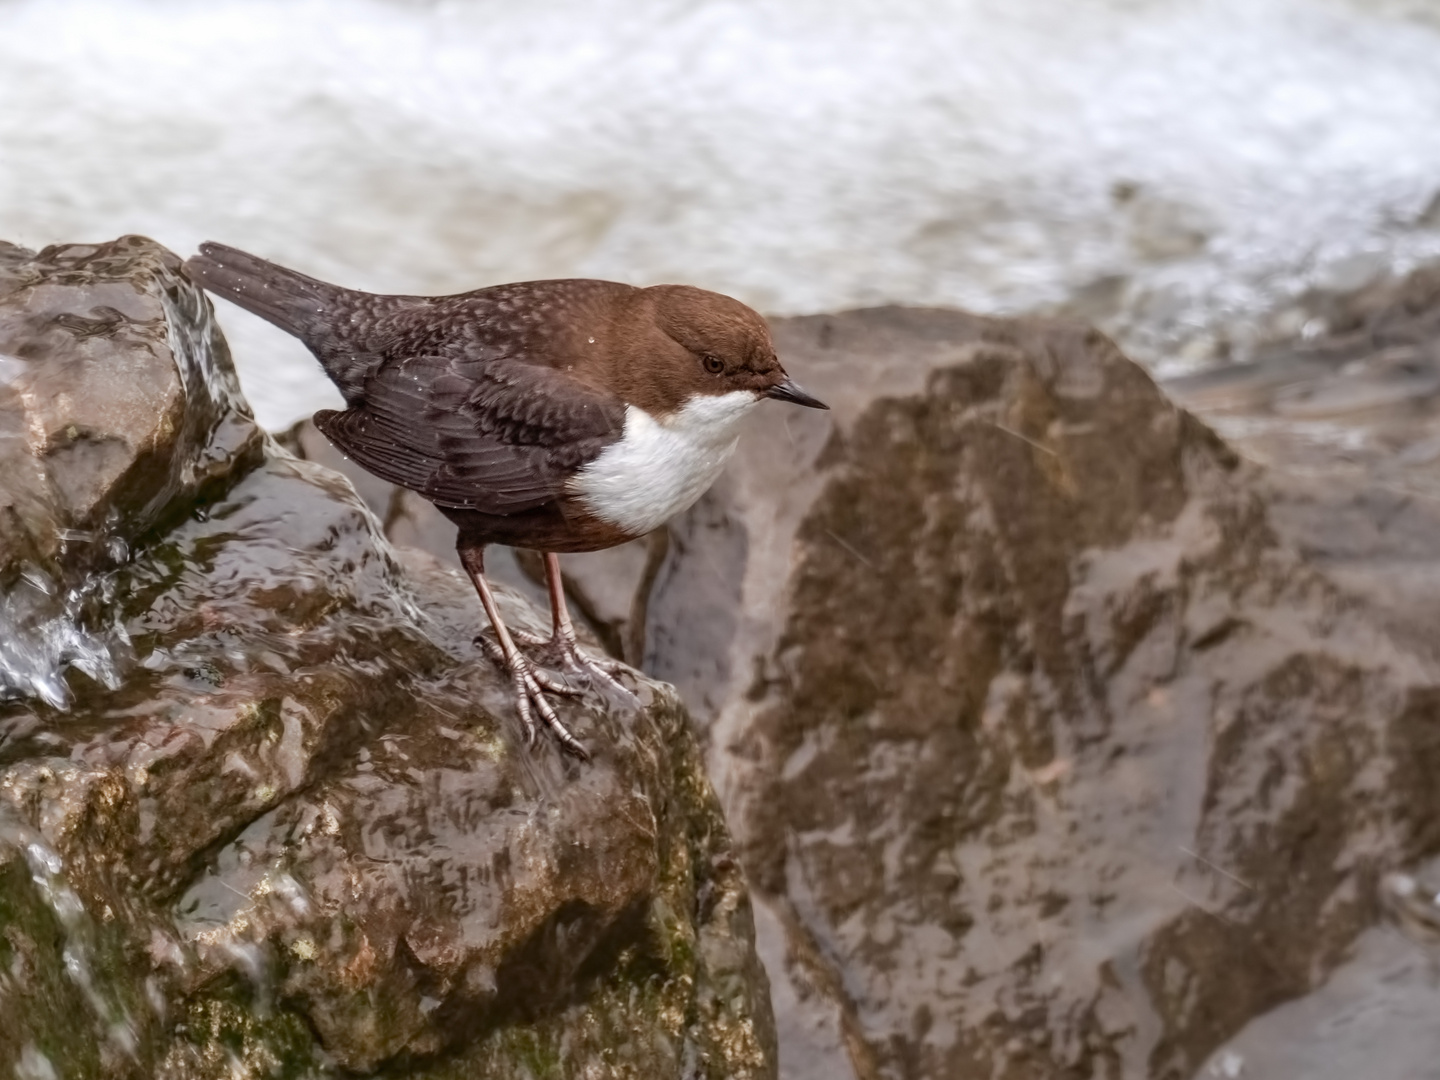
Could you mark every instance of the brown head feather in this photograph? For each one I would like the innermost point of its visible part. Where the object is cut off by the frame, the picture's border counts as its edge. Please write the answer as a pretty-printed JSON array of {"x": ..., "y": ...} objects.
[{"x": 669, "y": 343}]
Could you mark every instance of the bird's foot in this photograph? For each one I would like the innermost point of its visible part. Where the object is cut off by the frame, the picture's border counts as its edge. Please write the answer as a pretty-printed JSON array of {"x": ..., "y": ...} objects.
[
  {"x": 563, "y": 652},
  {"x": 531, "y": 685}
]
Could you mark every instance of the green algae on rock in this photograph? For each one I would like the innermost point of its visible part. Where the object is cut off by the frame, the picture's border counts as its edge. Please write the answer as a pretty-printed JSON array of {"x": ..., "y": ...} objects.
[{"x": 297, "y": 834}]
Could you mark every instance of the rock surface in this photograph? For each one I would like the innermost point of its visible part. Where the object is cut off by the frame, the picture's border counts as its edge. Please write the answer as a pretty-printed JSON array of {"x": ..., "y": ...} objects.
[
  {"x": 1347, "y": 414},
  {"x": 287, "y": 828},
  {"x": 1071, "y": 754},
  {"x": 1355, "y": 396},
  {"x": 1063, "y": 761}
]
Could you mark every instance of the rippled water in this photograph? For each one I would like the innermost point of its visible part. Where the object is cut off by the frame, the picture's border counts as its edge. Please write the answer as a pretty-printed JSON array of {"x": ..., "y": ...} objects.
[
  {"x": 42, "y": 632},
  {"x": 1172, "y": 168}
]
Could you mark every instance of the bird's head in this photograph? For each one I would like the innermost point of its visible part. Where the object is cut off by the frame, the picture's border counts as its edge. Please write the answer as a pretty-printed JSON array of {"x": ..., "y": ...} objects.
[{"x": 710, "y": 346}]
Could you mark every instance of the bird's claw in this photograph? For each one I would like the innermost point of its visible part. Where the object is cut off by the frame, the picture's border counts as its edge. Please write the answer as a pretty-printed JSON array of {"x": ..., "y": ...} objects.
[
  {"x": 530, "y": 686},
  {"x": 562, "y": 651}
]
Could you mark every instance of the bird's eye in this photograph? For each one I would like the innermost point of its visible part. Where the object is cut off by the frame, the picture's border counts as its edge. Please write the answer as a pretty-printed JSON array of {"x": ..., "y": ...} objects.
[{"x": 713, "y": 364}]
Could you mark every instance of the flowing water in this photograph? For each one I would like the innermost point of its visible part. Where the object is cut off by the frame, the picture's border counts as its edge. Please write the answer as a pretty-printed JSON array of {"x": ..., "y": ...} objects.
[{"x": 1175, "y": 169}]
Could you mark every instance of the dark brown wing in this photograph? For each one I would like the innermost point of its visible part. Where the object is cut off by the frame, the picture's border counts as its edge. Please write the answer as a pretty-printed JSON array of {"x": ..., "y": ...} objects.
[{"x": 498, "y": 435}]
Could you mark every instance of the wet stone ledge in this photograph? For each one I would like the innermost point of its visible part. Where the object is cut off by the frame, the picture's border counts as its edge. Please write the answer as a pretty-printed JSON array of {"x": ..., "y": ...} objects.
[{"x": 264, "y": 808}]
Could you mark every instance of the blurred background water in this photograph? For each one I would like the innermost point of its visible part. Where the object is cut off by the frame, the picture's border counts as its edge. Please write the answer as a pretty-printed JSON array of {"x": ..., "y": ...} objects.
[{"x": 1174, "y": 169}]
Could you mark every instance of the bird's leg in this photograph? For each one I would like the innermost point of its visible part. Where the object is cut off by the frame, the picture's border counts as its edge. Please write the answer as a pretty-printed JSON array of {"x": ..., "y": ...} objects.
[
  {"x": 562, "y": 650},
  {"x": 530, "y": 682}
]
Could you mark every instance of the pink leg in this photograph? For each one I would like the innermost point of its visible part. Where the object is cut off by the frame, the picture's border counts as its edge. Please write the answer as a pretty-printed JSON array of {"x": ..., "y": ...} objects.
[
  {"x": 562, "y": 650},
  {"x": 530, "y": 682}
]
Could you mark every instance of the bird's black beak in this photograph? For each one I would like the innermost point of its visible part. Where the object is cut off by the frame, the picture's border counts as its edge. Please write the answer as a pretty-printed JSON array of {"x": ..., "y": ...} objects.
[{"x": 788, "y": 391}]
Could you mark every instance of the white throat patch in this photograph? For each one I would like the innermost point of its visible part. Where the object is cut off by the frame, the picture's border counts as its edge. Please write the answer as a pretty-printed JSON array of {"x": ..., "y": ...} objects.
[{"x": 660, "y": 467}]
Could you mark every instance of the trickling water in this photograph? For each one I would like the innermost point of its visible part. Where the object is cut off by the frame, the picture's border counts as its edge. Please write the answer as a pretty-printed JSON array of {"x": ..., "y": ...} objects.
[
  {"x": 109, "y": 1020},
  {"x": 43, "y": 632}
]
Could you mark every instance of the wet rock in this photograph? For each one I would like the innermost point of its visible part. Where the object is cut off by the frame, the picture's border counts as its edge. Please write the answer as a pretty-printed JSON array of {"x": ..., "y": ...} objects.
[
  {"x": 1050, "y": 749},
  {"x": 297, "y": 833},
  {"x": 157, "y": 418},
  {"x": 87, "y": 474}
]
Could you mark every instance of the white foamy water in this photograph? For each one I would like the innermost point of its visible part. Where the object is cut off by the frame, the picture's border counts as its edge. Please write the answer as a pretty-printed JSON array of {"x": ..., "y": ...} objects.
[{"x": 1179, "y": 165}]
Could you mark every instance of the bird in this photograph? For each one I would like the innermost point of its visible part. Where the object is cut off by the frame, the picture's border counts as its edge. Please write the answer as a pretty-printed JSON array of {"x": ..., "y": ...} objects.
[{"x": 562, "y": 416}]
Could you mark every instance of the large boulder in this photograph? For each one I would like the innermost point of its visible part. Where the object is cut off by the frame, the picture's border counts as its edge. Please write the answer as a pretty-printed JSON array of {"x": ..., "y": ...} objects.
[
  {"x": 280, "y": 820},
  {"x": 1049, "y": 748}
]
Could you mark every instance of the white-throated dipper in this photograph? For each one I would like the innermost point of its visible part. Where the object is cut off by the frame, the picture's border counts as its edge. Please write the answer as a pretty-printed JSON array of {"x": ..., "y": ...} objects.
[{"x": 565, "y": 415}]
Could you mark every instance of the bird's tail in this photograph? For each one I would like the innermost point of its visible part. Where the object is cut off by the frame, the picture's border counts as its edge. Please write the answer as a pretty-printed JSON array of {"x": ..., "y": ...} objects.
[{"x": 292, "y": 301}]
